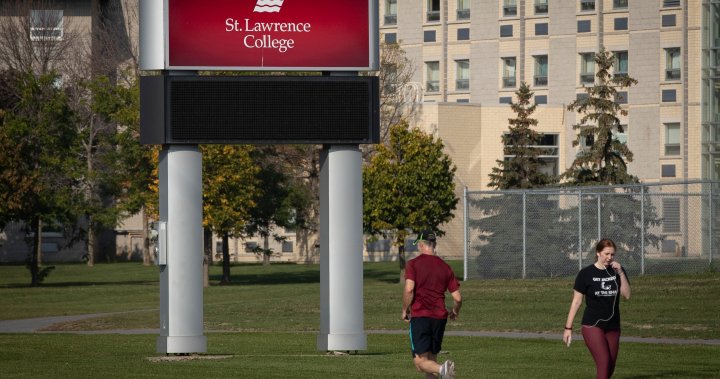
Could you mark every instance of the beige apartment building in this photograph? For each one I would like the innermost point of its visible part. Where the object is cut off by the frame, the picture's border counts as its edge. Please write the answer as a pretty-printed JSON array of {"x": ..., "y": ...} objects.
[{"x": 471, "y": 56}]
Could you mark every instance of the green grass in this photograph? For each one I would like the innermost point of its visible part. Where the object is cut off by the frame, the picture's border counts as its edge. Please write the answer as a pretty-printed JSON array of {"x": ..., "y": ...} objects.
[{"x": 268, "y": 319}]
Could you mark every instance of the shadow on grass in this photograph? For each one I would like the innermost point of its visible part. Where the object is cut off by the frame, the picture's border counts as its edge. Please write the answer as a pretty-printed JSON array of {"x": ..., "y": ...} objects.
[
  {"x": 80, "y": 284},
  {"x": 283, "y": 273}
]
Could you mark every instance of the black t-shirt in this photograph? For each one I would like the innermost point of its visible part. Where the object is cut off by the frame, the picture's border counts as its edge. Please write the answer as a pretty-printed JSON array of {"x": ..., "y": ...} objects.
[{"x": 602, "y": 302}]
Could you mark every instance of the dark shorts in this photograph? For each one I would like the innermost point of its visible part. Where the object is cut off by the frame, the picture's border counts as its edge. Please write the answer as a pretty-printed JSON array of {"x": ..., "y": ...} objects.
[{"x": 426, "y": 335}]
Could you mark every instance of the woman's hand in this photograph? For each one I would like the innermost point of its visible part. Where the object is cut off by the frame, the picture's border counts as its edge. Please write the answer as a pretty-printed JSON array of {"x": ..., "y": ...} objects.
[{"x": 567, "y": 337}]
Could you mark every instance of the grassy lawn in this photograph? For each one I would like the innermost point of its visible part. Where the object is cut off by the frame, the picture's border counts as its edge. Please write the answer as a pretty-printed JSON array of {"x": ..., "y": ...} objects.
[{"x": 267, "y": 320}]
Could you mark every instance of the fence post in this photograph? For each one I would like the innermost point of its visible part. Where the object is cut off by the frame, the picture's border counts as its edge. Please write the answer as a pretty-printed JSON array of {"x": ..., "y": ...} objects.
[
  {"x": 580, "y": 230},
  {"x": 465, "y": 234},
  {"x": 599, "y": 218},
  {"x": 710, "y": 225},
  {"x": 524, "y": 232},
  {"x": 642, "y": 230}
]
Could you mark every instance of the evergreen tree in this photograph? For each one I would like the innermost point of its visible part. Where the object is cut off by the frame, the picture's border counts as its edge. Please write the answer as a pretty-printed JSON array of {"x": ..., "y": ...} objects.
[
  {"x": 522, "y": 169},
  {"x": 605, "y": 160},
  {"x": 501, "y": 225}
]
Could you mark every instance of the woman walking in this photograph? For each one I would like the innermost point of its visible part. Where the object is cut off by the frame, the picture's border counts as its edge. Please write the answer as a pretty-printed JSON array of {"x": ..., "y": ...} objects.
[{"x": 600, "y": 284}]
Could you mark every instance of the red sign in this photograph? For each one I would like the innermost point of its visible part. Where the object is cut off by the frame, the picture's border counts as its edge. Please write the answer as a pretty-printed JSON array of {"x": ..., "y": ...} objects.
[{"x": 322, "y": 35}]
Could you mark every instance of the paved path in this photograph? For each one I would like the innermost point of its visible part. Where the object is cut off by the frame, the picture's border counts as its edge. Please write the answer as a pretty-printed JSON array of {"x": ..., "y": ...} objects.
[{"x": 35, "y": 325}]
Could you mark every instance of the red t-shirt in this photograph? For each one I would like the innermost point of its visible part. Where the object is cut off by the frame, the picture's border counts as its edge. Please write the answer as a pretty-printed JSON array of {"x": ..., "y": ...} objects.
[{"x": 432, "y": 277}]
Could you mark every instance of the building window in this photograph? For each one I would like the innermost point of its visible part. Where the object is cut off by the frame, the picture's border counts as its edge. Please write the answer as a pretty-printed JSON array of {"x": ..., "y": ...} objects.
[
  {"x": 433, "y": 77},
  {"x": 462, "y": 100},
  {"x": 584, "y": 26},
  {"x": 671, "y": 215},
  {"x": 250, "y": 247},
  {"x": 671, "y": 3},
  {"x": 549, "y": 153},
  {"x": 433, "y": 10},
  {"x": 668, "y": 20},
  {"x": 505, "y": 100},
  {"x": 620, "y": 65},
  {"x": 541, "y": 6},
  {"x": 390, "y": 12},
  {"x": 541, "y": 29},
  {"x": 620, "y": 4},
  {"x": 429, "y": 36},
  {"x": 506, "y": 30},
  {"x": 46, "y": 25},
  {"x": 621, "y": 23},
  {"x": 541, "y": 99},
  {"x": 541, "y": 70},
  {"x": 669, "y": 96},
  {"x": 587, "y": 68},
  {"x": 587, "y": 5},
  {"x": 672, "y": 138},
  {"x": 287, "y": 246},
  {"x": 621, "y": 134},
  {"x": 508, "y": 79},
  {"x": 668, "y": 170},
  {"x": 462, "y": 80},
  {"x": 621, "y": 97},
  {"x": 672, "y": 63},
  {"x": 463, "y": 34},
  {"x": 581, "y": 96},
  {"x": 509, "y": 8},
  {"x": 390, "y": 37},
  {"x": 463, "y": 9}
]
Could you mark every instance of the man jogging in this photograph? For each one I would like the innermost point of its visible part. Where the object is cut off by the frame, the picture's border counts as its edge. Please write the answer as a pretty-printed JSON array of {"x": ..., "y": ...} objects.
[{"x": 427, "y": 277}]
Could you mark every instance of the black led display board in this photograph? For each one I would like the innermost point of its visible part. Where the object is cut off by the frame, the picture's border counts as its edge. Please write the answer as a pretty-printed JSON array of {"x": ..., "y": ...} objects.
[{"x": 259, "y": 110}]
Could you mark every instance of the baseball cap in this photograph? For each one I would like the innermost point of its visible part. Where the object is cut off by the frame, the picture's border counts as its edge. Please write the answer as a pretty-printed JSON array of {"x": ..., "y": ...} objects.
[{"x": 425, "y": 235}]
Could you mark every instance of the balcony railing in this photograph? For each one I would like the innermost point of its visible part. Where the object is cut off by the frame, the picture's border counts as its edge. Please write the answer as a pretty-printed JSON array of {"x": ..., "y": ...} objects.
[
  {"x": 432, "y": 86},
  {"x": 510, "y": 10},
  {"x": 541, "y": 80},
  {"x": 390, "y": 19},
  {"x": 508, "y": 81},
  {"x": 541, "y": 8},
  {"x": 433, "y": 16},
  {"x": 463, "y": 14},
  {"x": 587, "y": 5}
]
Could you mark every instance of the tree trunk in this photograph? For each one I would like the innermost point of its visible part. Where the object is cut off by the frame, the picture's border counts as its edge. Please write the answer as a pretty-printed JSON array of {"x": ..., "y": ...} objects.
[
  {"x": 266, "y": 250},
  {"x": 34, "y": 264},
  {"x": 401, "y": 260},
  {"x": 207, "y": 256},
  {"x": 91, "y": 238},
  {"x": 147, "y": 256},
  {"x": 226, "y": 260}
]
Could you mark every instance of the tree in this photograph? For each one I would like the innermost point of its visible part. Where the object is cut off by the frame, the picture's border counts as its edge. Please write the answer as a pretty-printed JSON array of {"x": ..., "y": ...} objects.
[
  {"x": 29, "y": 40},
  {"x": 408, "y": 186},
  {"x": 397, "y": 92},
  {"x": 523, "y": 168},
  {"x": 277, "y": 203},
  {"x": 503, "y": 215},
  {"x": 230, "y": 188},
  {"x": 604, "y": 162},
  {"x": 39, "y": 164}
]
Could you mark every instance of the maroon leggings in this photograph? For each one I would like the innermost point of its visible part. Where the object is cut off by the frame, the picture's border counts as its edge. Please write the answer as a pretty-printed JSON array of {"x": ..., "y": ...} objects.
[{"x": 604, "y": 346}]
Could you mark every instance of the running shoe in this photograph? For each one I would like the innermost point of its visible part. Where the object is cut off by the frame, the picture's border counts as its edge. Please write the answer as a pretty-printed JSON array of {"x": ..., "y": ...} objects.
[{"x": 448, "y": 370}]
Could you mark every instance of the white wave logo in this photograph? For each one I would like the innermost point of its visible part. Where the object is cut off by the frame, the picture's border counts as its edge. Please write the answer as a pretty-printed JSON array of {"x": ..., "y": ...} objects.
[{"x": 267, "y": 6}]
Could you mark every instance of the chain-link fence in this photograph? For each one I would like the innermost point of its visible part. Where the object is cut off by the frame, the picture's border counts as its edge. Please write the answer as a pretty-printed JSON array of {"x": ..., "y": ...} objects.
[{"x": 658, "y": 228}]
